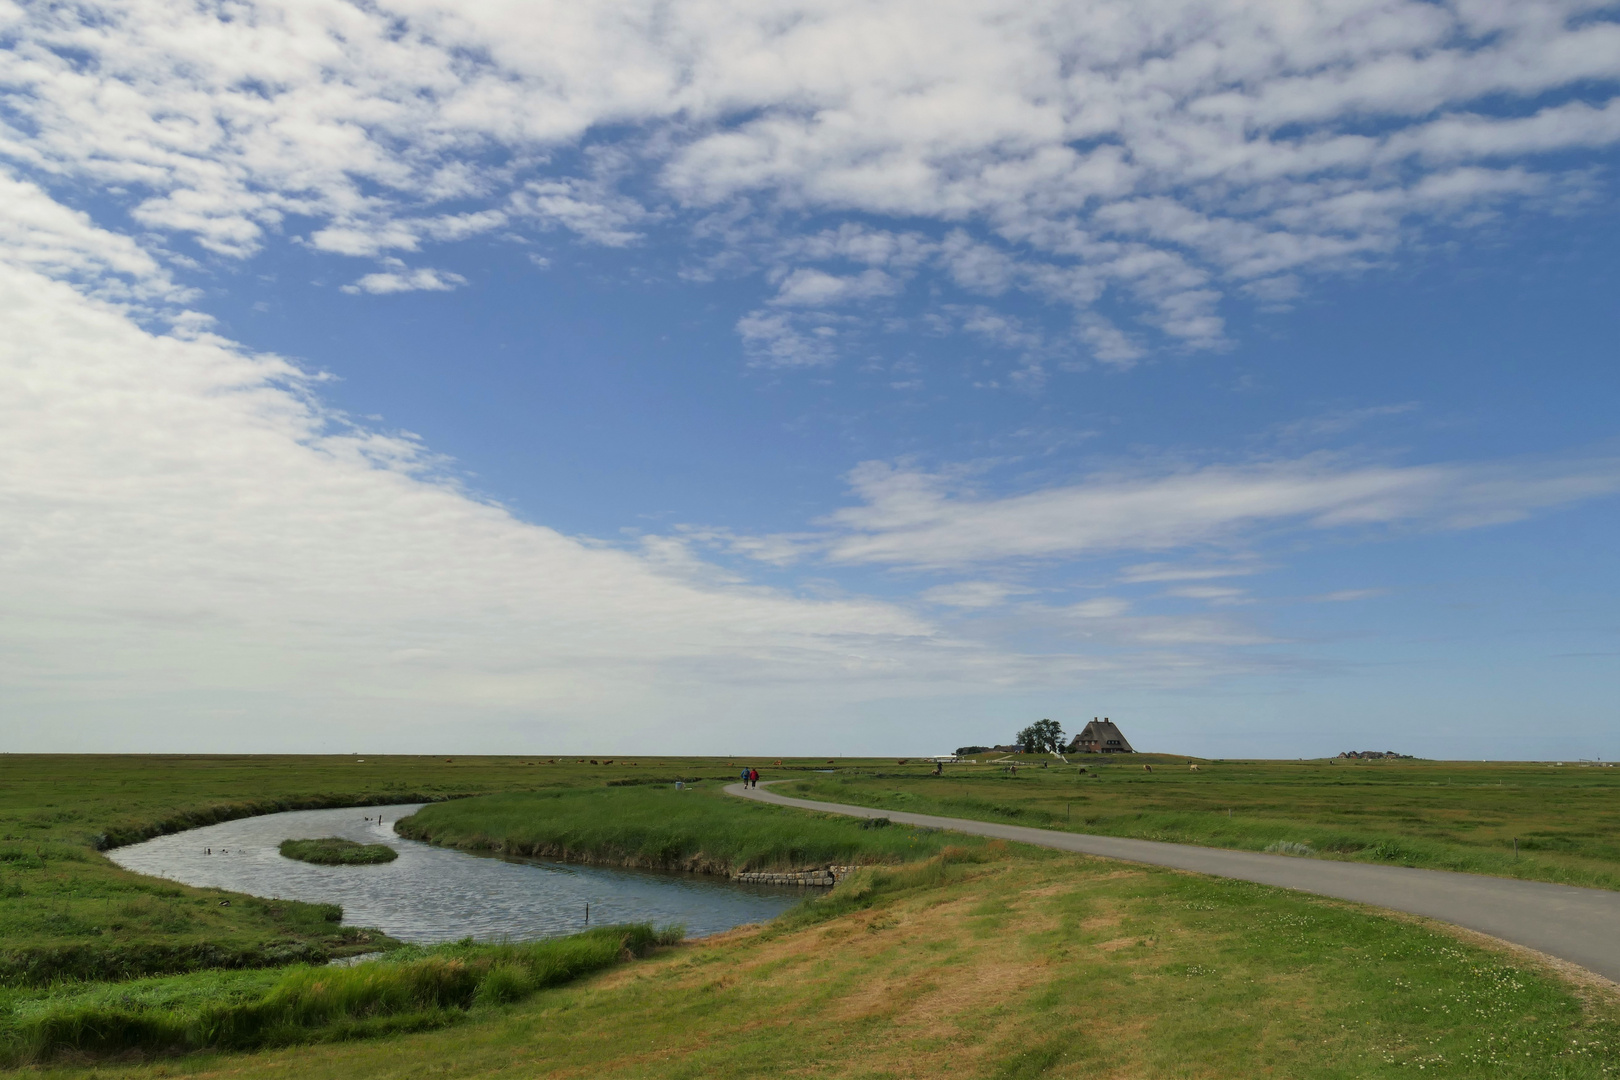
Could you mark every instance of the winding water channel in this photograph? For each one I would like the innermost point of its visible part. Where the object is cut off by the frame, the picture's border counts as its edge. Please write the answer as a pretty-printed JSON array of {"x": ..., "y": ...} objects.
[{"x": 432, "y": 894}]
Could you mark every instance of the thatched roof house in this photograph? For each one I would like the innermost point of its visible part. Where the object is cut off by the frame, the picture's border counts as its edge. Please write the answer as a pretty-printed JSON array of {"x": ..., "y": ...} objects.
[{"x": 1100, "y": 737}]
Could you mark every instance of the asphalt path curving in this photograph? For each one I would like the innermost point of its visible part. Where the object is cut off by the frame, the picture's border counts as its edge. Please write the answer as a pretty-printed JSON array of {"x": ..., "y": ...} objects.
[{"x": 1571, "y": 923}]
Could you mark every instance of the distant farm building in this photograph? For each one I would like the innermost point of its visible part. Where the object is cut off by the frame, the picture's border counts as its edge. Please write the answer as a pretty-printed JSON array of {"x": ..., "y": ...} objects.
[{"x": 1100, "y": 737}]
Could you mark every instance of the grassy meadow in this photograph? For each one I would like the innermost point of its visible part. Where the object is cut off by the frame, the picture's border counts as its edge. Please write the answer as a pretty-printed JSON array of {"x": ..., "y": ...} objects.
[
  {"x": 66, "y": 911},
  {"x": 942, "y": 954},
  {"x": 1461, "y": 816}
]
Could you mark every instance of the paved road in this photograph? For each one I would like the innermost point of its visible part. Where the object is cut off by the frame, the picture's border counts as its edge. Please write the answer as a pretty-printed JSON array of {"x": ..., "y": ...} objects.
[{"x": 1574, "y": 924}]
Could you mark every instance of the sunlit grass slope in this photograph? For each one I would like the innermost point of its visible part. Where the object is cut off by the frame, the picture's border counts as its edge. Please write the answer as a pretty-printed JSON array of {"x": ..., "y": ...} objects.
[
  {"x": 1444, "y": 815},
  {"x": 1032, "y": 964},
  {"x": 692, "y": 829}
]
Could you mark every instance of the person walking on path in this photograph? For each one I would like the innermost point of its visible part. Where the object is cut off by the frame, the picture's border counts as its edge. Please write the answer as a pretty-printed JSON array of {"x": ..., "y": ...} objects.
[{"x": 753, "y": 778}]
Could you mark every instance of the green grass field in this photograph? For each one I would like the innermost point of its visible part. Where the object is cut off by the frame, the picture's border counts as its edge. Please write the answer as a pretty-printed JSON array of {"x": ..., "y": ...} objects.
[
  {"x": 1445, "y": 815},
  {"x": 942, "y": 955}
]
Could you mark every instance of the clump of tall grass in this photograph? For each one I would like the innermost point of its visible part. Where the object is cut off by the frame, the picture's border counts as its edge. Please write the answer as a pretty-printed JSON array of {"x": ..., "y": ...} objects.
[
  {"x": 1289, "y": 847},
  {"x": 408, "y": 989},
  {"x": 336, "y": 851},
  {"x": 661, "y": 827}
]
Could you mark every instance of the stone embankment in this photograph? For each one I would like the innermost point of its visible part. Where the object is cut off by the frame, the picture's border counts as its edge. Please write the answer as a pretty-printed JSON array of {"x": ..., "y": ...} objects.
[{"x": 826, "y": 877}]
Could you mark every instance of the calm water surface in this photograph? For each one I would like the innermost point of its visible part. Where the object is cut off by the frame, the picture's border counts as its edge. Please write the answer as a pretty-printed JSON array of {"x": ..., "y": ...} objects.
[{"x": 434, "y": 894}]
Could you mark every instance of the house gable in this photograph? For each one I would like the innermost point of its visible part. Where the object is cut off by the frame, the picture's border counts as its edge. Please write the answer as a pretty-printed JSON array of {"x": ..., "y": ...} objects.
[{"x": 1100, "y": 737}]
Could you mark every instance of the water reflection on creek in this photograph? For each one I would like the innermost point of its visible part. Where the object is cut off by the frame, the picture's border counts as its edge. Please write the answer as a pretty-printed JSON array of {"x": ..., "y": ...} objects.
[{"x": 434, "y": 894}]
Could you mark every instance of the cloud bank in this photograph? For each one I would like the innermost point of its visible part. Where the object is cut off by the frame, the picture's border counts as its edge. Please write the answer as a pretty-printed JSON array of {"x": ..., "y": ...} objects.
[{"x": 180, "y": 521}]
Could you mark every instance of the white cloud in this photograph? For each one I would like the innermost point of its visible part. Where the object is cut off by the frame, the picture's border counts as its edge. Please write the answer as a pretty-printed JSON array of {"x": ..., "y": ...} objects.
[
  {"x": 783, "y": 341},
  {"x": 1346, "y": 595},
  {"x": 912, "y": 518},
  {"x": 1183, "y": 572},
  {"x": 1099, "y": 607},
  {"x": 1107, "y": 621},
  {"x": 182, "y": 525},
  {"x": 424, "y": 279},
  {"x": 588, "y": 208},
  {"x": 1336, "y": 423},
  {"x": 1215, "y": 594},
  {"x": 39, "y": 233},
  {"x": 812, "y": 288},
  {"x": 1166, "y": 153},
  {"x": 971, "y": 594},
  {"x": 360, "y": 241}
]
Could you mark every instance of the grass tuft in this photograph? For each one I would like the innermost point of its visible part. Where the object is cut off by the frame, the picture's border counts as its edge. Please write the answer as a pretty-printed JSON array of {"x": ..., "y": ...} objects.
[{"x": 335, "y": 851}]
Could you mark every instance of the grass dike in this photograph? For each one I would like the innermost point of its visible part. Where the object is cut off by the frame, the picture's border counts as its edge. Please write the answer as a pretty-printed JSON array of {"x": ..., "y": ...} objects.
[
  {"x": 1003, "y": 963},
  {"x": 336, "y": 851}
]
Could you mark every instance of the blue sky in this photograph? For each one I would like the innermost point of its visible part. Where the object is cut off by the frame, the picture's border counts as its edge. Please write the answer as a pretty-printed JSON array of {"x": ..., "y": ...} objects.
[{"x": 810, "y": 377}]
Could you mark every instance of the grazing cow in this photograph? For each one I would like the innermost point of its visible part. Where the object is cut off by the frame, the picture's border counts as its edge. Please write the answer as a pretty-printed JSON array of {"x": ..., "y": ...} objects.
[
  {"x": 1147, "y": 768},
  {"x": 1194, "y": 768}
]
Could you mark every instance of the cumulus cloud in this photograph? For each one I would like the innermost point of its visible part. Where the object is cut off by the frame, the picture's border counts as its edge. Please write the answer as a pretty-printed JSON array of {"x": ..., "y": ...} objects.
[
  {"x": 587, "y": 208},
  {"x": 813, "y": 288},
  {"x": 423, "y": 279},
  {"x": 786, "y": 341},
  {"x": 1167, "y": 154}
]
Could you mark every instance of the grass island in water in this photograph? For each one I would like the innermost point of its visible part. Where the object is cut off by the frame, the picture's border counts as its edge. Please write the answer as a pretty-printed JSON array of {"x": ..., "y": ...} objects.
[{"x": 335, "y": 851}]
